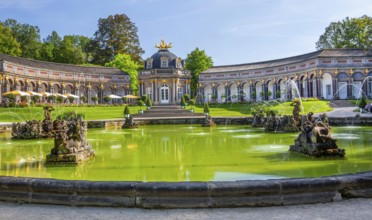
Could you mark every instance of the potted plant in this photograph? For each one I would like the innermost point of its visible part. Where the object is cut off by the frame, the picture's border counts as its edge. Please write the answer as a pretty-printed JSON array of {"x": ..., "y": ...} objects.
[
  {"x": 183, "y": 102},
  {"x": 253, "y": 95},
  {"x": 191, "y": 103},
  {"x": 71, "y": 100},
  {"x": 269, "y": 93},
  {"x": 95, "y": 99},
  {"x": 140, "y": 103},
  {"x": 223, "y": 97},
  {"x": 148, "y": 103},
  {"x": 106, "y": 99},
  {"x": 126, "y": 112},
  {"x": 206, "y": 109}
]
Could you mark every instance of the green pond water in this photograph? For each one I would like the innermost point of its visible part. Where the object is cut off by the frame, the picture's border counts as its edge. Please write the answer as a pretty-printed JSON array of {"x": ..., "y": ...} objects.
[{"x": 188, "y": 153}]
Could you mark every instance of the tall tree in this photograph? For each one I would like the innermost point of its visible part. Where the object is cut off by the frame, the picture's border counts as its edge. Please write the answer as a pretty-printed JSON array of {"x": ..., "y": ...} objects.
[
  {"x": 348, "y": 33},
  {"x": 28, "y": 36},
  {"x": 8, "y": 44},
  {"x": 50, "y": 44},
  {"x": 69, "y": 51},
  {"x": 197, "y": 61},
  {"x": 126, "y": 64},
  {"x": 115, "y": 35}
]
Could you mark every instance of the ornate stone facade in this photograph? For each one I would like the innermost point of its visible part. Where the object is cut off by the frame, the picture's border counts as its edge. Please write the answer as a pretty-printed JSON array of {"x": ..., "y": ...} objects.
[
  {"x": 38, "y": 76},
  {"x": 164, "y": 78},
  {"x": 325, "y": 74}
]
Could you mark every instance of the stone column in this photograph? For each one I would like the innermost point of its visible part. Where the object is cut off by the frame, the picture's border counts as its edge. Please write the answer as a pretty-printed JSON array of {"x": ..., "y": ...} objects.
[{"x": 156, "y": 91}]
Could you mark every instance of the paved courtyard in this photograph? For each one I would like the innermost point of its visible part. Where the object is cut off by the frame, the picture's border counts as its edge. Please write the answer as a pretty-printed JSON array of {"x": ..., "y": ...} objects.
[{"x": 347, "y": 209}]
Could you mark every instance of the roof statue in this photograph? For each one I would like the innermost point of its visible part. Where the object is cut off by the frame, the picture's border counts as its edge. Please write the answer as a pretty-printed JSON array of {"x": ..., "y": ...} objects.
[{"x": 163, "y": 45}]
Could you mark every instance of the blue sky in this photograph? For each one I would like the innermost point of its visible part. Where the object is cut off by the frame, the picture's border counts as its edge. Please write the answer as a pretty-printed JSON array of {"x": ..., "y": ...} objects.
[{"x": 230, "y": 31}]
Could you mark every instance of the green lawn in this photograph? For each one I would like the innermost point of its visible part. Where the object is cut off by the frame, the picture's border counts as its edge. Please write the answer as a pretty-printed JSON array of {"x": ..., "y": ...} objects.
[
  {"x": 116, "y": 112},
  {"x": 285, "y": 108}
]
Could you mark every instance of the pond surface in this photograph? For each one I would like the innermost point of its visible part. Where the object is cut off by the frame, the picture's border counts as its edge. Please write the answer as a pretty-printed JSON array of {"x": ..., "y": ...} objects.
[{"x": 188, "y": 153}]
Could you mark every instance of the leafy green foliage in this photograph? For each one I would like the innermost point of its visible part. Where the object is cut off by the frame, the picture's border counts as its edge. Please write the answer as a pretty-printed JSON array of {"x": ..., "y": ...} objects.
[
  {"x": 116, "y": 34},
  {"x": 148, "y": 102},
  {"x": 348, "y": 33},
  {"x": 69, "y": 116},
  {"x": 183, "y": 102},
  {"x": 197, "y": 61},
  {"x": 206, "y": 108},
  {"x": 27, "y": 36},
  {"x": 8, "y": 44},
  {"x": 126, "y": 64},
  {"x": 106, "y": 99},
  {"x": 363, "y": 102},
  {"x": 126, "y": 111}
]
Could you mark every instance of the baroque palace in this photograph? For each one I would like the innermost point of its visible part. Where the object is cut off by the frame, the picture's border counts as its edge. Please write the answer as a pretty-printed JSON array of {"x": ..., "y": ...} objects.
[{"x": 325, "y": 74}]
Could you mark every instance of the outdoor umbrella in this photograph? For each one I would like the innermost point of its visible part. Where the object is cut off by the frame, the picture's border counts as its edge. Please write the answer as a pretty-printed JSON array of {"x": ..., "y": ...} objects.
[
  {"x": 57, "y": 94},
  {"x": 114, "y": 96},
  {"x": 34, "y": 93},
  {"x": 17, "y": 92},
  {"x": 47, "y": 94},
  {"x": 131, "y": 96},
  {"x": 72, "y": 95}
]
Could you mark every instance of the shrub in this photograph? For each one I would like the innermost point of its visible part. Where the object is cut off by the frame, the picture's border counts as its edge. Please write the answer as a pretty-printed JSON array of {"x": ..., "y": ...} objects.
[
  {"x": 149, "y": 102},
  {"x": 95, "y": 99},
  {"x": 126, "y": 111},
  {"x": 69, "y": 116},
  {"x": 206, "y": 108},
  {"x": 192, "y": 102},
  {"x": 183, "y": 102},
  {"x": 144, "y": 98},
  {"x": 35, "y": 98},
  {"x": 23, "y": 98},
  {"x": 363, "y": 102},
  {"x": 71, "y": 99},
  {"x": 124, "y": 99},
  {"x": 60, "y": 99},
  {"x": 140, "y": 103},
  {"x": 23, "y": 104},
  {"x": 187, "y": 97}
]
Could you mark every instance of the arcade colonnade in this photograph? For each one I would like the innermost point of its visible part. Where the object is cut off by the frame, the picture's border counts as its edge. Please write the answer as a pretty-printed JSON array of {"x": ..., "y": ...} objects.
[
  {"x": 37, "y": 76},
  {"x": 326, "y": 74}
]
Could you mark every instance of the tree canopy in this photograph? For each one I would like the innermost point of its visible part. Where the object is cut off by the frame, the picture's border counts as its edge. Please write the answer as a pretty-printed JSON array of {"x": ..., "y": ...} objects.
[
  {"x": 197, "y": 61},
  {"x": 125, "y": 63},
  {"x": 27, "y": 36},
  {"x": 348, "y": 33},
  {"x": 115, "y": 35},
  {"x": 8, "y": 44}
]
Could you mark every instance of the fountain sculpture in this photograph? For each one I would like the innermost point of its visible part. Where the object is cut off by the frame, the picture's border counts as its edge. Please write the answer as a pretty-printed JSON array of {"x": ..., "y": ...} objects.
[
  {"x": 70, "y": 144},
  {"x": 315, "y": 138},
  {"x": 129, "y": 122},
  {"x": 34, "y": 129}
]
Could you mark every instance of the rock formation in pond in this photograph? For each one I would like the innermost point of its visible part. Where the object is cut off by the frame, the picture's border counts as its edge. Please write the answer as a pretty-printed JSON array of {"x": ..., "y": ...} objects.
[
  {"x": 280, "y": 124},
  {"x": 315, "y": 138},
  {"x": 70, "y": 144},
  {"x": 34, "y": 129}
]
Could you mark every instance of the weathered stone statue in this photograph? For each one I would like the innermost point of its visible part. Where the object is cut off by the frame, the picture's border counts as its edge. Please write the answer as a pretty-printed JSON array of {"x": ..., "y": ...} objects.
[
  {"x": 315, "y": 138},
  {"x": 70, "y": 144},
  {"x": 129, "y": 122},
  {"x": 28, "y": 130},
  {"x": 34, "y": 129},
  {"x": 208, "y": 122},
  {"x": 258, "y": 119}
]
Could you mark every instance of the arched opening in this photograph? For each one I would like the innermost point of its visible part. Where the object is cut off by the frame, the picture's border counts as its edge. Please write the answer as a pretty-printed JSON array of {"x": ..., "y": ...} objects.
[
  {"x": 327, "y": 86},
  {"x": 342, "y": 85},
  {"x": 208, "y": 93},
  {"x": 259, "y": 92},
  {"x": 234, "y": 93}
]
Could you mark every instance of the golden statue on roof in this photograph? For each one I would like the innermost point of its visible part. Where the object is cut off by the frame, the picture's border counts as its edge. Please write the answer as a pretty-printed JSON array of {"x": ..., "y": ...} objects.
[{"x": 163, "y": 45}]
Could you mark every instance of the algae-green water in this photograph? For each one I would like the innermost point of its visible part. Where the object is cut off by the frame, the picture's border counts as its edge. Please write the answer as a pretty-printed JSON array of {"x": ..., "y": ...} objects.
[{"x": 188, "y": 153}]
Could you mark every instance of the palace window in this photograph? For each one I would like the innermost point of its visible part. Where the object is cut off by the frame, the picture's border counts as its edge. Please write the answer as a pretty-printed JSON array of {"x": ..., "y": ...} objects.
[
  {"x": 164, "y": 62},
  {"x": 149, "y": 63},
  {"x": 149, "y": 92}
]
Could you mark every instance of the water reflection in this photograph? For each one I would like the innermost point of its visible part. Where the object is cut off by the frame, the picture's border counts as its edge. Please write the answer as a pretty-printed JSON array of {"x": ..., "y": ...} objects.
[{"x": 187, "y": 153}]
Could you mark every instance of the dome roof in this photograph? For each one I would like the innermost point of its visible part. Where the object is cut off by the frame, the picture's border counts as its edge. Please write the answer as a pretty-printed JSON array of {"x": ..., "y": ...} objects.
[{"x": 161, "y": 55}]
